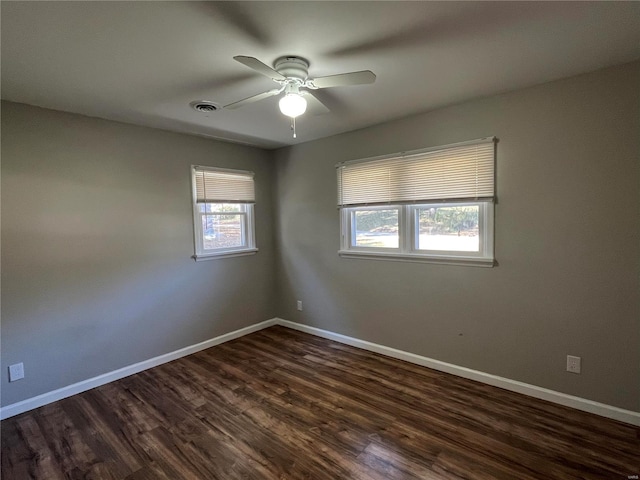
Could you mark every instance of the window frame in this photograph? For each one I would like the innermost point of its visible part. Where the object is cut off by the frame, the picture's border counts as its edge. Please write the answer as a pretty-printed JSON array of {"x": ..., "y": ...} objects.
[
  {"x": 247, "y": 213},
  {"x": 408, "y": 232}
]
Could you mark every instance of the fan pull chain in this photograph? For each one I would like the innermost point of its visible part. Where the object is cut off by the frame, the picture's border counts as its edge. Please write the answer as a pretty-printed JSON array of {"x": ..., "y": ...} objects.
[{"x": 293, "y": 126}]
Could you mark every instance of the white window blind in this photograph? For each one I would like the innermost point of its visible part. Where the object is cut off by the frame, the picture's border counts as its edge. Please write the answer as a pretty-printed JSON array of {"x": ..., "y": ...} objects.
[
  {"x": 456, "y": 172},
  {"x": 213, "y": 185}
]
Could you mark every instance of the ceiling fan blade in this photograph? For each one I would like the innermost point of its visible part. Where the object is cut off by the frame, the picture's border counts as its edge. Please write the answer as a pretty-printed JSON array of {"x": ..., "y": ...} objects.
[
  {"x": 343, "y": 79},
  {"x": 254, "y": 98},
  {"x": 259, "y": 67},
  {"x": 314, "y": 104},
  {"x": 237, "y": 15}
]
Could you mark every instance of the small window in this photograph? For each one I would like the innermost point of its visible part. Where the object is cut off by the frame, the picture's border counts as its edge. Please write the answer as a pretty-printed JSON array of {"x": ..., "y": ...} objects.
[
  {"x": 433, "y": 205},
  {"x": 222, "y": 212}
]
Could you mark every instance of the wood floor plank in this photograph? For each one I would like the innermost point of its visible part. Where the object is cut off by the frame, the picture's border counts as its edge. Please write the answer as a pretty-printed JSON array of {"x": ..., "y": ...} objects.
[
  {"x": 281, "y": 404},
  {"x": 148, "y": 472},
  {"x": 41, "y": 462},
  {"x": 15, "y": 453},
  {"x": 64, "y": 440}
]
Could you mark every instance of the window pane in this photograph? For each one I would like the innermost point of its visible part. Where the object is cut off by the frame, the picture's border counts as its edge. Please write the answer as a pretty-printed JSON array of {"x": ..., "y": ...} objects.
[
  {"x": 222, "y": 231},
  {"x": 376, "y": 228},
  {"x": 449, "y": 228},
  {"x": 221, "y": 207}
]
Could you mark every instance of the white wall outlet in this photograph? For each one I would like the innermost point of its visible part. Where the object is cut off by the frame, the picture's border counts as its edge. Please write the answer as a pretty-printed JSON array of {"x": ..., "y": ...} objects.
[
  {"x": 299, "y": 305},
  {"x": 573, "y": 364},
  {"x": 16, "y": 372}
]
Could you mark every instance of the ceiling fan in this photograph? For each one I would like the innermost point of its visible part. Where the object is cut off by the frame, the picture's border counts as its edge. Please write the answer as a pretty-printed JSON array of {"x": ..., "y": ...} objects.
[{"x": 292, "y": 75}]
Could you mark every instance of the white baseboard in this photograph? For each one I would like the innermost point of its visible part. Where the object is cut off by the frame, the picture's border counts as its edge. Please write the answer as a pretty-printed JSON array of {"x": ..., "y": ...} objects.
[
  {"x": 83, "y": 386},
  {"x": 578, "y": 403}
]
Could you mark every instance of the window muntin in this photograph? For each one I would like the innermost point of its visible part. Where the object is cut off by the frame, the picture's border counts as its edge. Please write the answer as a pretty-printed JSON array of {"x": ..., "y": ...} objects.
[{"x": 223, "y": 212}]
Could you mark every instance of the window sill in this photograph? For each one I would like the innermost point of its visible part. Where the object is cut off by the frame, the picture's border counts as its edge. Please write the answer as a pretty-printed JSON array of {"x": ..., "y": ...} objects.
[
  {"x": 416, "y": 258},
  {"x": 227, "y": 254}
]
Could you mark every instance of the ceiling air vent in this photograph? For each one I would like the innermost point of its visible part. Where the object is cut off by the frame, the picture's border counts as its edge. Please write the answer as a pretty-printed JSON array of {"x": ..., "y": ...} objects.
[{"x": 204, "y": 106}]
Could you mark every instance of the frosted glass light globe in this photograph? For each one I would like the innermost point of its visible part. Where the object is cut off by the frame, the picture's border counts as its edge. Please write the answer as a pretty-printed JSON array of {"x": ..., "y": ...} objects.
[{"x": 292, "y": 105}]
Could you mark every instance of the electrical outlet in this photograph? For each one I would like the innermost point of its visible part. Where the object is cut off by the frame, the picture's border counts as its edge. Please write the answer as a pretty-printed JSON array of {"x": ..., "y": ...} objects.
[
  {"x": 573, "y": 364},
  {"x": 16, "y": 372},
  {"x": 299, "y": 305}
]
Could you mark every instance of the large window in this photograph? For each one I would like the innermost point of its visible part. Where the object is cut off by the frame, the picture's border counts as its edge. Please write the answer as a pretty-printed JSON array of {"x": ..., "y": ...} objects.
[
  {"x": 433, "y": 205},
  {"x": 222, "y": 212}
]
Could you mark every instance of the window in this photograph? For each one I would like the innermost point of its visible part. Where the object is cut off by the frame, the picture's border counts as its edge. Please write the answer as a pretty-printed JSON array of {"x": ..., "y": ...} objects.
[
  {"x": 433, "y": 205},
  {"x": 222, "y": 212}
]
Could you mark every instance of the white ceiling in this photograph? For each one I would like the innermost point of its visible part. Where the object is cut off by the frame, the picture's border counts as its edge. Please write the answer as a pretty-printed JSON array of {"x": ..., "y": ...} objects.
[{"x": 143, "y": 62}]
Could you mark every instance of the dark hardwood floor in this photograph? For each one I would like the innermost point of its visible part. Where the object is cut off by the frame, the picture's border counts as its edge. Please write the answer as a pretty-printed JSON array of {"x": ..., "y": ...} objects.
[{"x": 279, "y": 404}]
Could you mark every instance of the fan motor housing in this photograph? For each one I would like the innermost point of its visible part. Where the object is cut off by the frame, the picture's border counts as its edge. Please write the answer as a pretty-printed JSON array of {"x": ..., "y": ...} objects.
[{"x": 292, "y": 67}]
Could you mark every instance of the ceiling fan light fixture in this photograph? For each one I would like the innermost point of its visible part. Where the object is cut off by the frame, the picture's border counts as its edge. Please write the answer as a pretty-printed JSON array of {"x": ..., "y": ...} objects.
[{"x": 292, "y": 105}]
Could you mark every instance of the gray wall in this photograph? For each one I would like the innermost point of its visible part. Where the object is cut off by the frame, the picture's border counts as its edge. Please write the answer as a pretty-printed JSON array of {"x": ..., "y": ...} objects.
[
  {"x": 567, "y": 239},
  {"x": 96, "y": 244}
]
